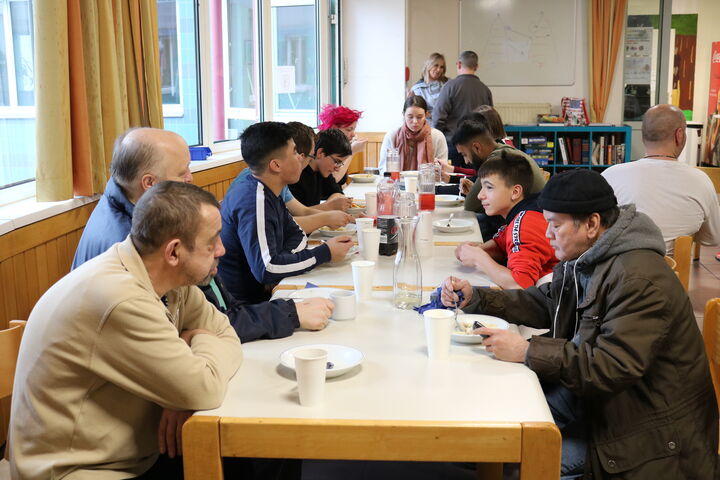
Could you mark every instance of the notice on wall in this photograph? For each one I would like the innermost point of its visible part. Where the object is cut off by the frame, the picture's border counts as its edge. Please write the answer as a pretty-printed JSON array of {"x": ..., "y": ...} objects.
[
  {"x": 638, "y": 55},
  {"x": 714, "y": 78},
  {"x": 284, "y": 79}
]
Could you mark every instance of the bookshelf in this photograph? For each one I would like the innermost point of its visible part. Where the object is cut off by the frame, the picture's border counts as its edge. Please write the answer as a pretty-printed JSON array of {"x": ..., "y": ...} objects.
[{"x": 557, "y": 148}]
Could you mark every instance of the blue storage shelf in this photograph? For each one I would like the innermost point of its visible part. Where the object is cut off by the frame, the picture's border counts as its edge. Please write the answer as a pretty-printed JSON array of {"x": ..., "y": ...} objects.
[{"x": 623, "y": 135}]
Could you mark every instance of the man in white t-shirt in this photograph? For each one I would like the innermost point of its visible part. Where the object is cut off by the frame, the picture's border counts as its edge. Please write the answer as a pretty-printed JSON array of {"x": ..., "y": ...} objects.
[{"x": 679, "y": 198}]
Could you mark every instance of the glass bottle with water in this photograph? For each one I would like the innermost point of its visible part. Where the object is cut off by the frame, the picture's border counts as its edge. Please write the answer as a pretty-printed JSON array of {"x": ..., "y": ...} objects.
[
  {"x": 393, "y": 163},
  {"x": 407, "y": 274}
]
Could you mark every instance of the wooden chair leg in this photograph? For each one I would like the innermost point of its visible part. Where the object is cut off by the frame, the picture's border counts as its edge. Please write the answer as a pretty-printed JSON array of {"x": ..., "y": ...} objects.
[{"x": 696, "y": 251}]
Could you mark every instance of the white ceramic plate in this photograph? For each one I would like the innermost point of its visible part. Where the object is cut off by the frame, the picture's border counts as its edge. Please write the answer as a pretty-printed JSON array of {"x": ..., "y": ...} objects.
[
  {"x": 362, "y": 177},
  {"x": 409, "y": 173},
  {"x": 358, "y": 209},
  {"x": 448, "y": 200},
  {"x": 343, "y": 358},
  {"x": 467, "y": 320},
  {"x": 322, "y": 292},
  {"x": 348, "y": 229},
  {"x": 457, "y": 225}
]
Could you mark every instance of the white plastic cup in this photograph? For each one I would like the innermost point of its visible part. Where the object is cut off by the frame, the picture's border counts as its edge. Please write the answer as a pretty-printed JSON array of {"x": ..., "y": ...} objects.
[
  {"x": 344, "y": 301},
  {"x": 438, "y": 327},
  {"x": 424, "y": 235},
  {"x": 371, "y": 204},
  {"x": 370, "y": 247},
  {"x": 362, "y": 272},
  {"x": 360, "y": 225},
  {"x": 310, "y": 365},
  {"x": 411, "y": 183}
]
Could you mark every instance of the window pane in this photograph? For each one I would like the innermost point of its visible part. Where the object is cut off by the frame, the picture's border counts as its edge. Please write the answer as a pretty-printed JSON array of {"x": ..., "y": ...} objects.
[
  {"x": 236, "y": 102},
  {"x": 22, "y": 29},
  {"x": 641, "y": 57},
  {"x": 295, "y": 62},
  {"x": 17, "y": 91},
  {"x": 179, "y": 67}
]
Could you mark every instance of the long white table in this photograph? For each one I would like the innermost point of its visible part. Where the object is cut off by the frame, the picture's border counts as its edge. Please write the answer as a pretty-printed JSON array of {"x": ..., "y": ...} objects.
[{"x": 397, "y": 405}]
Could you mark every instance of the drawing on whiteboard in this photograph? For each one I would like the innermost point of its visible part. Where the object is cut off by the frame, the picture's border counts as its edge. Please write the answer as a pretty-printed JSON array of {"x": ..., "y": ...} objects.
[{"x": 507, "y": 45}]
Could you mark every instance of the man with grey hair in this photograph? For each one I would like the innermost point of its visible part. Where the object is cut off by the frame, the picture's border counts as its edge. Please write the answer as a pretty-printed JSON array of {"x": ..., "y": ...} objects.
[
  {"x": 460, "y": 96},
  {"x": 122, "y": 344},
  {"x": 141, "y": 158},
  {"x": 680, "y": 199}
]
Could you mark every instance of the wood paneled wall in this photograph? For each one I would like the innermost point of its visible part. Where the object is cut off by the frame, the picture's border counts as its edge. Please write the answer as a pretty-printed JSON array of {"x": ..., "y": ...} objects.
[{"x": 34, "y": 257}]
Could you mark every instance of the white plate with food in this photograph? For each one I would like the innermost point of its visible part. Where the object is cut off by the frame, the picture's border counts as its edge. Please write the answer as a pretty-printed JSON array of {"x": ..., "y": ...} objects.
[
  {"x": 356, "y": 207},
  {"x": 448, "y": 200},
  {"x": 466, "y": 322},
  {"x": 341, "y": 359},
  {"x": 455, "y": 225},
  {"x": 362, "y": 177},
  {"x": 348, "y": 229}
]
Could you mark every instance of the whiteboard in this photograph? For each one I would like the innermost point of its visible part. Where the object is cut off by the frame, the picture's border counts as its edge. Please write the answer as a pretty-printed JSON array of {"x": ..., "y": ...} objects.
[{"x": 521, "y": 42}]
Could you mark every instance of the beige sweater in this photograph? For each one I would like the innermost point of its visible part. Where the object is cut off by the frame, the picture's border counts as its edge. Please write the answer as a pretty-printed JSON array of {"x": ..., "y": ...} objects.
[{"x": 100, "y": 357}]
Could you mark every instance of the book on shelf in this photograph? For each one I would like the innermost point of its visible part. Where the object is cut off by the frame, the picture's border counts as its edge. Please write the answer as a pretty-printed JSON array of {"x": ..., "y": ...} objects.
[
  {"x": 576, "y": 151},
  {"x": 595, "y": 157},
  {"x": 585, "y": 152},
  {"x": 563, "y": 151},
  {"x": 603, "y": 140}
]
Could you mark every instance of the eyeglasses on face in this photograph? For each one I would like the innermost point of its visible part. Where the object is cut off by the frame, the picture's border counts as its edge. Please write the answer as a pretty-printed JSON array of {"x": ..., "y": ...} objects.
[{"x": 338, "y": 161}]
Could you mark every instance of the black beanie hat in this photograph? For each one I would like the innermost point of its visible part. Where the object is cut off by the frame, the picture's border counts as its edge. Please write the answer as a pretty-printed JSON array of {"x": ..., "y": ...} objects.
[{"x": 577, "y": 191}]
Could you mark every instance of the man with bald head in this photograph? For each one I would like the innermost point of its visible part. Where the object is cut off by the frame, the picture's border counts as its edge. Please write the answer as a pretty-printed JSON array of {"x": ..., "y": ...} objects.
[
  {"x": 680, "y": 199},
  {"x": 142, "y": 157}
]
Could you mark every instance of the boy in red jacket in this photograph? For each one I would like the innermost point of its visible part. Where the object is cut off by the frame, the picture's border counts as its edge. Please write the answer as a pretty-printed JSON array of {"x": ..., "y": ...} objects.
[{"x": 520, "y": 243}]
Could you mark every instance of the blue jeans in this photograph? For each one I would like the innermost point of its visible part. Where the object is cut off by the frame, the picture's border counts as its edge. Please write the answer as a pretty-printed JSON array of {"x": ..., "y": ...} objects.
[{"x": 568, "y": 414}]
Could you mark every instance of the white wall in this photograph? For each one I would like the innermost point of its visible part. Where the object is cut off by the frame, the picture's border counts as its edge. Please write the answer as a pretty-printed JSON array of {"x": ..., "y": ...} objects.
[
  {"x": 373, "y": 36},
  {"x": 708, "y": 32}
]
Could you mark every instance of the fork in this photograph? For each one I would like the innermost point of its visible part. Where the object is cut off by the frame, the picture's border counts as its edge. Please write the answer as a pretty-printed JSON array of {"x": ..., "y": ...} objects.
[{"x": 450, "y": 219}]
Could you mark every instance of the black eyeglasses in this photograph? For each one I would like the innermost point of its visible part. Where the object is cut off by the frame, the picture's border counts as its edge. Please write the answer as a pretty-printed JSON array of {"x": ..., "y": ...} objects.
[{"x": 338, "y": 162}]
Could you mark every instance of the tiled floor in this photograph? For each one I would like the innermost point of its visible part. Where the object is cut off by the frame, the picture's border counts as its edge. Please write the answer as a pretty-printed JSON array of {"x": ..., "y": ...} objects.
[{"x": 704, "y": 281}]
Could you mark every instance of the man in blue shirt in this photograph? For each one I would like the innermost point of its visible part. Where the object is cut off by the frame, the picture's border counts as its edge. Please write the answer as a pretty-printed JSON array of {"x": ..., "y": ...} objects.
[{"x": 262, "y": 241}]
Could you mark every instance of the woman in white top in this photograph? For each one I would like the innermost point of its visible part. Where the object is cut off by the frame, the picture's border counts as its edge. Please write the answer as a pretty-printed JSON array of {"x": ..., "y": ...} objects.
[{"x": 416, "y": 140}]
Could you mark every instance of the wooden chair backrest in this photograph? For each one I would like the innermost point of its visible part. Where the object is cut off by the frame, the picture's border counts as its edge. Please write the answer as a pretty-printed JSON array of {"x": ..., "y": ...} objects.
[
  {"x": 711, "y": 337},
  {"x": 9, "y": 348},
  {"x": 714, "y": 174},
  {"x": 683, "y": 258},
  {"x": 370, "y": 156}
]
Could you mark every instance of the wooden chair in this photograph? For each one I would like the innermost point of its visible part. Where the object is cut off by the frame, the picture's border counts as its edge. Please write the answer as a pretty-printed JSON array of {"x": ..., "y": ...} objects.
[
  {"x": 711, "y": 337},
  {"x": 9, "y": 348},
  {"x": 683, "y": 258},
  {"x": 714, "y": 174}
]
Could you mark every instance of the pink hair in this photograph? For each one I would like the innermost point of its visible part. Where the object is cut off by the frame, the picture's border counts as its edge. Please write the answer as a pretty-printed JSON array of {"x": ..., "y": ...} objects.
[{"x": 334, "y": 116}]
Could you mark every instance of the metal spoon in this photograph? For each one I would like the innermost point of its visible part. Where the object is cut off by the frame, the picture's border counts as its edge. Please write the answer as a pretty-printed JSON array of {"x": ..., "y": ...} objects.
[{"x": 450, "y": 219}]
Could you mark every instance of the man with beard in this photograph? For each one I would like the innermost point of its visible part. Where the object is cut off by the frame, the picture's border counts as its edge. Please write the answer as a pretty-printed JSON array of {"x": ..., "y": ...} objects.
[
  {"x": 476, "y": 144},
  {"x": 121, "y": 338}
]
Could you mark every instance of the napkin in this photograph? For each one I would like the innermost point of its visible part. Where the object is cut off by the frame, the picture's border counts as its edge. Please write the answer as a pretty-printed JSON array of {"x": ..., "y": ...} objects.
[{"x": 436, "y": 302}]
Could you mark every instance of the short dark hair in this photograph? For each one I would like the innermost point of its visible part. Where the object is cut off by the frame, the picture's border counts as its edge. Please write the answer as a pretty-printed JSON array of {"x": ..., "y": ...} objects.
[
  {"x": 333, "y": 142},
  {"x": 472, "y": 126},
  {"x": 607, "y": 217},
  {"x": 512, "y": 167},
  {"x": 494, "y": 122},
  {"x": 415, "y": 101},
  {"x": 129, "y": 159},
  {"x": 261, "y": 140},
  {"x": 304, "y": 137},
  {"x": 469, "y": 59},
  {"x": 168, "y": 210}
]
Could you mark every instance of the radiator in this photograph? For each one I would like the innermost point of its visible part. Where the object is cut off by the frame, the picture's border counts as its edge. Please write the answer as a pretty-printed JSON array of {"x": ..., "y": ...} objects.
[{"x": 518, "y": 113}]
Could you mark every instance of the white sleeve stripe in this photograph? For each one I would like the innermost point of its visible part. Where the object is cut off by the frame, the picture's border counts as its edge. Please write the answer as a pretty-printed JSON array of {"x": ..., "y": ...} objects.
[{"x": 262, "y": 239}]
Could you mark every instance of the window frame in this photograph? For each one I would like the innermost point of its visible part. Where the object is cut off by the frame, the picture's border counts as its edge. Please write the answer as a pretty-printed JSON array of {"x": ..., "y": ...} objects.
[{"x": 176, "y": 110}]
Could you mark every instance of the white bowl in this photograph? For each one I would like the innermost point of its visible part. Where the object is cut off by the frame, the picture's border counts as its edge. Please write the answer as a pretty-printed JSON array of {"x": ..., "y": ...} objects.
[
  {"x": 448, "y": 200},
  {"x": 466, "y": 320},
  {"x": 457, "y": 225},
  {"x": 348, "y": 229},
  {"x": 343, "y": 358},
  {"x": 362, "y": 177}
]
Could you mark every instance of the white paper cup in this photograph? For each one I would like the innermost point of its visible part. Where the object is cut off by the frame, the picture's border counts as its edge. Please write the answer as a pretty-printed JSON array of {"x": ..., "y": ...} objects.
[
  {"x": 411, "y": 183},
  {"x": 371, "y": 204},
  {"x": 360, "y": 225},
  {"x": 310, "y": 364},
  {"x": 370, "y": 247},
  {"x": 344, "y": 301},
  {"x": 438, "y": 327},
  {"x": 362, "y": 272}
]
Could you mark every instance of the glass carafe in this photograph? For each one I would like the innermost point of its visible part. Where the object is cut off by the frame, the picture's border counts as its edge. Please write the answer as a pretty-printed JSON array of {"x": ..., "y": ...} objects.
[{"x": 407, "y": 274}]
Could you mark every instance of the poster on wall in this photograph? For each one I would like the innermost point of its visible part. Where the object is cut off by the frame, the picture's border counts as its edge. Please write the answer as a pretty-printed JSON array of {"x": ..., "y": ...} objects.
[
  {"x": 638, "y": 55},
  {"x": 712, "y": 141}
]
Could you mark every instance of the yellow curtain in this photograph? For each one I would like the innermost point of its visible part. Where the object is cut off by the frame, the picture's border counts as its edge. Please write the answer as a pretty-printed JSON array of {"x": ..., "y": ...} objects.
[
  {"x": 97, "y": 70},
  {"x": 606, "y": 25}
]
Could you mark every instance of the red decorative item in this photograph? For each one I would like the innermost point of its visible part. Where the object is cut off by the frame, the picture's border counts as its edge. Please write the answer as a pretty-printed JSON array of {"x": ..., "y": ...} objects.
[{"x": 574, "y": 111}]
